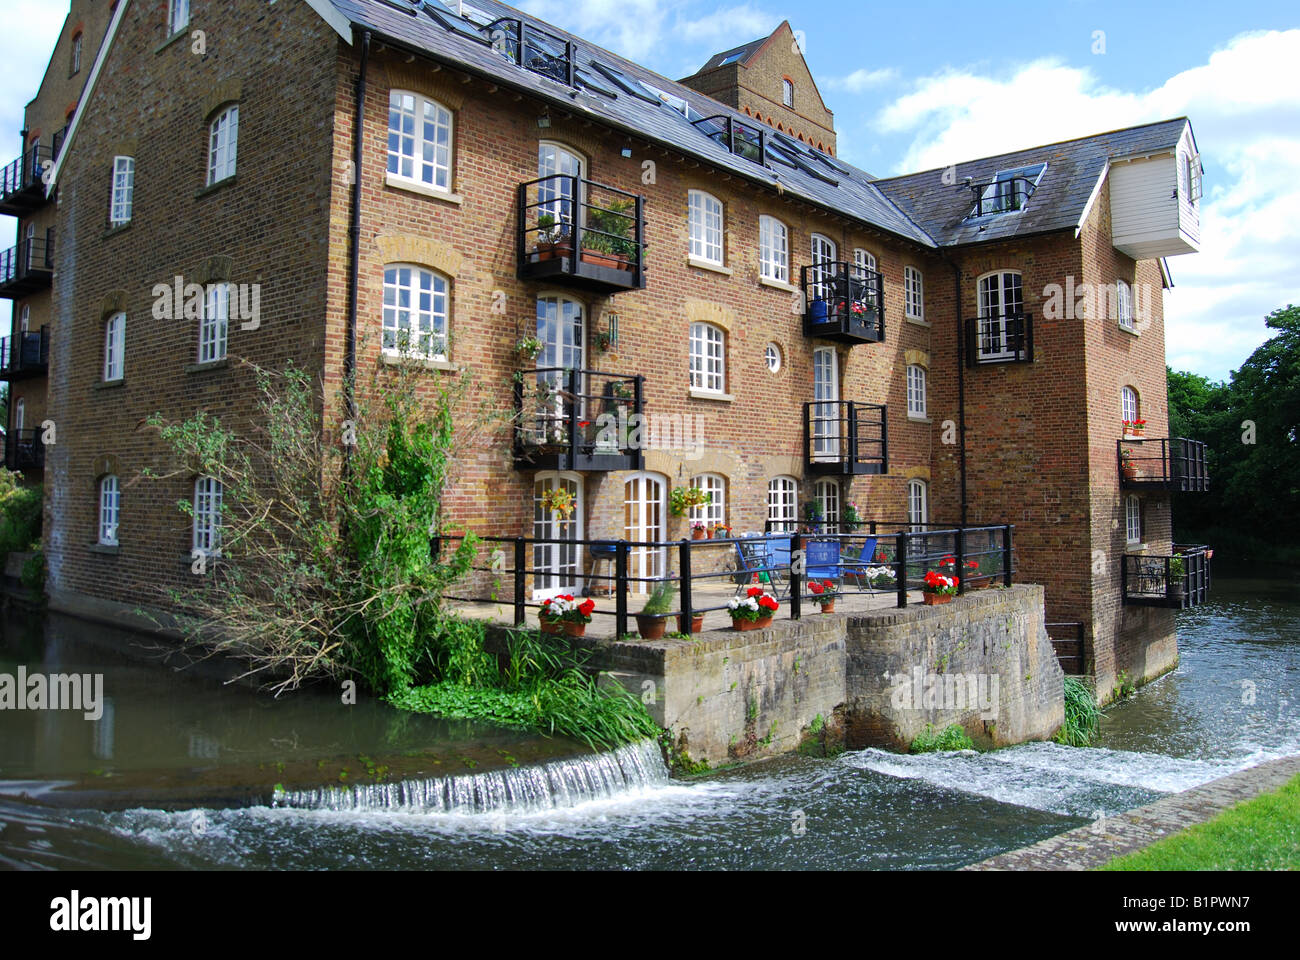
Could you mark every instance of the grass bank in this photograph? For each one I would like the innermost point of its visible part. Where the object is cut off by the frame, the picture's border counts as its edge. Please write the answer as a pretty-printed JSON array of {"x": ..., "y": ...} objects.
[{"x": 1259, "y": 834}]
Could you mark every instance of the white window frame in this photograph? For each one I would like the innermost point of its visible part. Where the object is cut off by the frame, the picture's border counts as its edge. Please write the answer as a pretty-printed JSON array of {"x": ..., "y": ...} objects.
[
  {"x": 918, "y": 505},
  {"x": 421, "y": 155},
  {"x": 76, "y": 55},
  {"x": 1132, "y": 519},
  {"x": 1124, "y": 304},
  {"x": 1000, "y": 294},
  {"x": 1130, "y": 404},
  {"x": 428, "y": 309},
  {"x": 207, "y": 516},
  {"x": 708, "y": 358},
  {"x": 783, "y": 504},
  {"x": 826, "y": 494},
  {"x": 705, "y": 217},
  {"x": 223, "y": 144},
  {"x": 917, "y": 378},
  {"x": 773, "y": 249},
  {"x": 122, "y": 201},
  {"x": 178, "y": 16},
  {"x": 115, "y": 347},
  {"x": 772, "y": 358},
  {"x": 20, "y": 415},
  {"x": 557, "y": 566},
  {"x": 787, "y": 92},
  {"x": 913, "y": 293},
  {"x": 24, "y": 318},
  {"x": 645, "y": 519},
  {"x": 214, "y": 324},
  {"x": 715, "y": 512},
  {"x": 110, "y": 504},
  {"x": 864, "y": 259}
]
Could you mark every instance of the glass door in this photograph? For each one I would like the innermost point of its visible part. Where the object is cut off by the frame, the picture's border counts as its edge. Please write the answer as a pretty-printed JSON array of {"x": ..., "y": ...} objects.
[
  {"x": 823, "y": 269},
  {"x": 826, "y": 408},
  {"x": 1001, "y": 300},
  {"x": 560, "y": 329},
  {"x": 557, "y": 567},
  {"x": 644, "y": 513},
  {"x": 561, "y": 197}
]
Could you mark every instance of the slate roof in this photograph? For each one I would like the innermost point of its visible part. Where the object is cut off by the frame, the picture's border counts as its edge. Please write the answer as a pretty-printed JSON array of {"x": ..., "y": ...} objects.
[
  {"x": 745, "y": 51},
  {"x": 917, "y": 207},
  {"x": 1073, "y": 168}
]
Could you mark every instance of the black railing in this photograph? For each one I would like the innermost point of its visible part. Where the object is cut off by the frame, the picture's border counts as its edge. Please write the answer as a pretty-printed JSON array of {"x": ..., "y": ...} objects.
[
  {"x": 586, "y": 232},
  {"x": 1068, "y": 644},
  {"x": 569, "y": 419},
  {"x": 24, "y": 450},
  {"x": 533, "y": 48},
  {"x": 869, "y": 561},
  {"x": 743, "y": 139},
  {"x": 1178, "y": 581},
  {"x": 1002, "y": 196},
  {"x": 1003, "y": 338},
  {"x": 27, "y": 267},
  {"x": 1163, "y": 463},
  {"x": 844, "y": 437},
  {"x": 843, "y": 301},
  {"x": 26, "y": 352},
  {"x": 22, "y": 181}
]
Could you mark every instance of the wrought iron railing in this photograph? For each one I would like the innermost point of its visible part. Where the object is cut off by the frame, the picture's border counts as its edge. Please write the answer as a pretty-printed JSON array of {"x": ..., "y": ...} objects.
[
  {"x": 1000, "y": 338},
  {"x": 533, "y": 48},
  {"x": 1002, "y": 196},
  {"x": 24, "y": 450},
  {"x": 570, "y": 419},
  {"x": 1163, "y": 463},
  {"x": 843, "y": 300},
  {"x": 26, "y": 351},
  {"x": 30, "y": 260},
  {"x": 586, "y": 230},
  {"x": 842, "y": 436},
  {"x": 1179, "y": 580}
]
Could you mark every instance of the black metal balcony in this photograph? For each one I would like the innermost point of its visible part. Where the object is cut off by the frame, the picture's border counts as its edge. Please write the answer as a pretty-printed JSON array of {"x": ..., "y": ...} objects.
[
  {"x": 25, "y": 354},
  {"x": 22, "y": 187},
  {"x": 581, "y": 233},
  {"x": 1002, "y": 196},
  {"x": 843, "y": 302},
  {"x": 24, "y": 450},
  {"x": 28, "y": 267},
  {"x": 534, "y": 49},
  {"x": 743, "y": 139},
  {"x": 845, "y": 438},
  {"x": 1003, "y": 338},
  {"x": 1178, "y": 581},
  {"x": 567, "y": 419},
  {"x": 1163, "y": 463}
]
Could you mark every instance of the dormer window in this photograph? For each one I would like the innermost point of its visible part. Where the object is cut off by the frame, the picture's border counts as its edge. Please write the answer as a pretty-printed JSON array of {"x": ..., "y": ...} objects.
[{"x": 1009, "y": 190}]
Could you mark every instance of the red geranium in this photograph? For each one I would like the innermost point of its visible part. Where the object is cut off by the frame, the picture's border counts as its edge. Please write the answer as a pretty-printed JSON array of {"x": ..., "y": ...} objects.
[
  {"x": 768, "y": 602},
  {"x": 755, "y": 592}
]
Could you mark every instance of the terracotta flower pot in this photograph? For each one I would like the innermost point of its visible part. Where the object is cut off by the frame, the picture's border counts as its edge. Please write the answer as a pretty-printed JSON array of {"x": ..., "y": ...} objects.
[
  {"x": 555, "y": 627},
  {"x": 651, "y": 628},
  {"x": 1130, "y": 471},
  {"x": 935, "y": 599},
  {"x": 744, "y": 625},
  {"x": 697, "y": 534},
  {"x": 828, "y": 606},
  {"x": 696, "y": 624},
  {"x": 574, "y": 629}
]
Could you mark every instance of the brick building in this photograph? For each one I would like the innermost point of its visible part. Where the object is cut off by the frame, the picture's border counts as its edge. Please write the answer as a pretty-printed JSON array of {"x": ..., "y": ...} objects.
[{"x": 826, "y": 336}]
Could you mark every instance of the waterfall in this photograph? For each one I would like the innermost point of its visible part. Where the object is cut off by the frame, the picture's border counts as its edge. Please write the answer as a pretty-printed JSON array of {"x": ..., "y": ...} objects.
[{"x": 560, "y": 783}]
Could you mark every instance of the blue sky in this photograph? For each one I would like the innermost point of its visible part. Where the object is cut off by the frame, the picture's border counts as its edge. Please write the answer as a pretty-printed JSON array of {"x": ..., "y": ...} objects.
[{"x": 925, "y": 83}]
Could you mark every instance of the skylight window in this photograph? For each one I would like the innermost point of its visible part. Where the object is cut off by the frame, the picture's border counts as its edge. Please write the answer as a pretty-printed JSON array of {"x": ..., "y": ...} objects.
[
  {"x": 1009, "y": 190},
  {"x": 733, "y": 58}
]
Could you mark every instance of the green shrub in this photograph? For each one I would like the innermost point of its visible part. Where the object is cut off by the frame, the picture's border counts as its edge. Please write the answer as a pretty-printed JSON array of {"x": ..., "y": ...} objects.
[
  {"x": 1082, "y": 716},
  {"x": 20, "y": 514},
  {"x": 952, "y": 737}
]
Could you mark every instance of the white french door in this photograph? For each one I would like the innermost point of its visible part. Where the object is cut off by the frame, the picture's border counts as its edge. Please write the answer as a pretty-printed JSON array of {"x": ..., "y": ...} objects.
[
  {"x": 1001, "y": 296},
  {"x": 557, "y": 567},
  {"x": 561, "y": 330},
  {"x": 823, "y": 270},
  {"x": 826, "y": 409},
  {"x": 559, "y": 197},
  {"x": 645, "y": 510}
]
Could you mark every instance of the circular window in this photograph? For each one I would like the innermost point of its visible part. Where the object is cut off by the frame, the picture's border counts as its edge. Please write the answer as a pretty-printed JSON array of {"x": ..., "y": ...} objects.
[{"x": 773, "y": 357}]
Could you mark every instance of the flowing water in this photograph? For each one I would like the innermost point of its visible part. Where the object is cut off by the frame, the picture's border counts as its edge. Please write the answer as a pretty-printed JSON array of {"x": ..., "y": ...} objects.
[{"x": 179, "y": 773}]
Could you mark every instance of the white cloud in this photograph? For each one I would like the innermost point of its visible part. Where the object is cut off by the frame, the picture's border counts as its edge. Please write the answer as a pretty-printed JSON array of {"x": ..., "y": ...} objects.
[
  {"x": 861, "y": 79},
  {"x": 1245, "y": 109},
  {"x": 727, "y": 28}
]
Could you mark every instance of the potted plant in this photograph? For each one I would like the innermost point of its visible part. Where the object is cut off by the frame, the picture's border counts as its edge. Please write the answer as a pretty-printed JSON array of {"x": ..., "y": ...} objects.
[
  {"x": 1134, "y": 428},
  {"x": 602, "y": 341},
  {"x": 938, "y": 588},
  {"x": 1177, "y": 581},
  {"x": 721, "y": 531},
  {"x": 881, "y": 577},
  {"x": 812, "y": 511},
  {"x": 696, "y": 623},
  {"x": 606, "y": 240},
  {"x": 566, "y": 614},
  {"x": 753, "y": 611},
  {"x": 824, "y": 594},
  {"x": 850, "y": 519},
  {"x": 698, "y": 530},
  {"x": 552, "y": 238},
  {"x": 558, "y": 501},
  {"x": 949, "y": 566},
  {"x": 528, "y": 348},
  {"x": 683, "y": 499},
  {"x": 653, "y": 618},
  {"x": 1126, "y": 465}
]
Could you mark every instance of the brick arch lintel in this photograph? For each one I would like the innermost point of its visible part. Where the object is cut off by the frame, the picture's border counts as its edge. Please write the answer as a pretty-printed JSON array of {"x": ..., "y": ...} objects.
[{"x": 424, "y": 251}]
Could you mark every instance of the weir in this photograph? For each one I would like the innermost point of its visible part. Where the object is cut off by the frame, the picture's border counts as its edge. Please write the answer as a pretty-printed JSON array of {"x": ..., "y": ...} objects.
[{"x": 549, "y": 786}]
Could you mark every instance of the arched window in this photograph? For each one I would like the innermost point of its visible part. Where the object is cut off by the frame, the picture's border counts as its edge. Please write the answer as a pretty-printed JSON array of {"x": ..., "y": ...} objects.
[
  {"x": 715, "y": 511},
  {"x": 109, "y": 502},
  {"x": 918, "y": 507},
  {"x": 787, "y": 92},
  {"x": 916, "y": 402},
  {"x": 864, "y": 259},
  {"x": 114, "y": 347},
  {"x": 416, "y": 304},
  {"x": 207, "y": 516},
  {"x": 826, "y": 494},
  {"x": 783, "y": 504},
  {"x": 705, "y": 220},
  {"x": 223, "y": 144},
  {"x": 708, "y": 358},
  {"x": 1130, "y": 406},
  {"x": 773, "y": 249},
  {"x": 419, "y": 140},
  {"x": 214, "y": 325},
  {"x": 1133, "y": 519}
]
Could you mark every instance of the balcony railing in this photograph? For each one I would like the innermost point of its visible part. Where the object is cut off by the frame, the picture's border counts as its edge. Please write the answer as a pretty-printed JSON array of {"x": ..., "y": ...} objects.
[
  {"x": 844, "y": 302},
  {"x": 22, "y": 183},
  {"x": 1002, "y": 196},
  {"x": 1177, "y": 581},
  {"x": 743, "y": 139},
  {"x": 845, "y": 438},
  {"x": 568, "y": 419},
  {"x": 24, "y": 450},
  {"x": 28, "y": 267},
  {"x": 25, "y": 354},
  {"x": 533, "y": 49},
  {"x": 1163, "y": 463},
  {"x": 580, "y": 232},
  {"x": 1003, "y": 338}
]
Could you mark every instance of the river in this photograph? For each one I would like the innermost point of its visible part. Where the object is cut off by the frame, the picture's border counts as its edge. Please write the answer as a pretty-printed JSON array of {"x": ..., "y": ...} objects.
[{"x": 162, "y": 779}]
